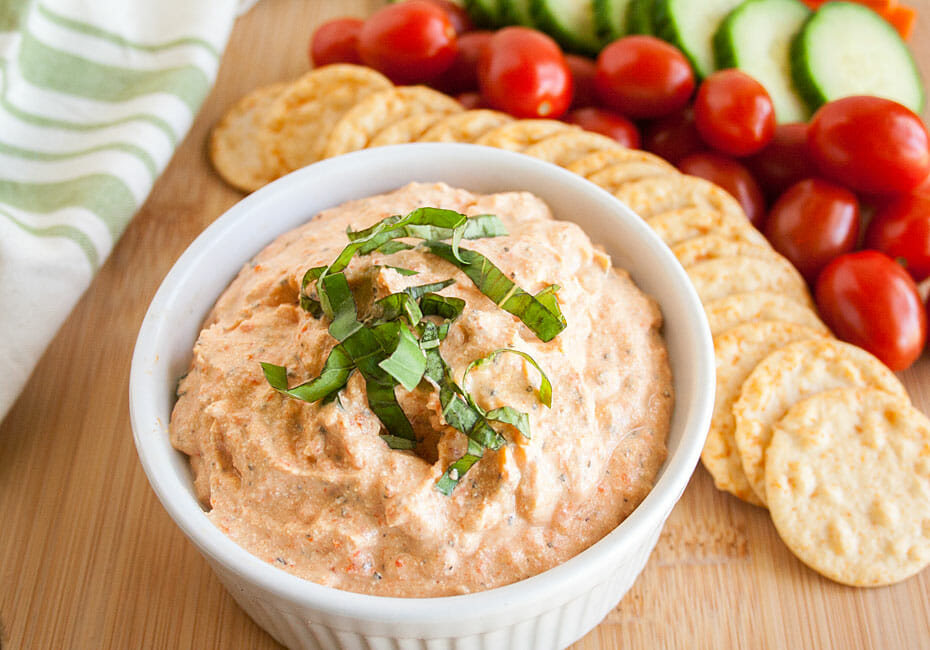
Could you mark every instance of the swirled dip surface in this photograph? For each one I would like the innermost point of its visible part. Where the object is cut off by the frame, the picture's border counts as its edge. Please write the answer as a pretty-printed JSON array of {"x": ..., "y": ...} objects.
[{"x": 312, "y": 489}]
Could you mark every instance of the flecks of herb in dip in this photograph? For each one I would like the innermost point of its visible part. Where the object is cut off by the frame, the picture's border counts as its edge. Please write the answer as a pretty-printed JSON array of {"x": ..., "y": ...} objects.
[{"x": 314, "y": 489}]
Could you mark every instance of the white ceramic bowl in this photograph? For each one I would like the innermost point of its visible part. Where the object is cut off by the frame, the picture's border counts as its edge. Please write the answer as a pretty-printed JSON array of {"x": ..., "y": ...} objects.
[{"x": 550, "y": 610}]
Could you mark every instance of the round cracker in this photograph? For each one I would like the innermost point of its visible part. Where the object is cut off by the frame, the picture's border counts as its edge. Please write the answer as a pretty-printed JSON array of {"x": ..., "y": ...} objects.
[
  {"x": 726, "y": 313},
  {"x": 790, "y": 375},
  {"x": 614, "y": 177},
  {"x": 301, "y": 118},
  {"x": 520, "y": 134},
  {"x": 467, "y": 126},
  {"x": 725, "y": 276},
  {"x": 847, "y": 478},
  {"x": 651, "y": 196},
  {"x": 710, "y": 247},
  {"x": 683, "y": 224},
  {"x": 738, "y": 351},
  {"x": 564, "y": 148},
  {"x": 598, "y": 160},
  {"x": 408, "y": 129},
  {"x": 381, "y": 109},
  {"x": 235, "y": 148}
]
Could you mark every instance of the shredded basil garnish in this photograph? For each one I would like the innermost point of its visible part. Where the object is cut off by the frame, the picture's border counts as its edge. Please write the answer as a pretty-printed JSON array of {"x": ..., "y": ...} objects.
[{"x": 397, "y": 345}]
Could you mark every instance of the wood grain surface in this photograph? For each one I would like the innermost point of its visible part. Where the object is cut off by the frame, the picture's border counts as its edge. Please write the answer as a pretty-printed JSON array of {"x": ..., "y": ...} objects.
[{"x": 89, "y": 559}]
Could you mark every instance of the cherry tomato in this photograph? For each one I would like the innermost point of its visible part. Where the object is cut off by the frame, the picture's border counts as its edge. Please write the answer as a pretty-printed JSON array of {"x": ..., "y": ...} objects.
[
  {"x": 583, "y": 72},
  {"x": 673, "y": 137},
  {"x": 901, "y": 229},
  {"x": 605, "y": 122},
  {"x": 523, "y": 72},
  {"x": 470, "y": 100},
  {"x": 642, "y": 76},
  {"x": 813, "y": 222},
  {"x": 731, "y": 176},
  {"x": 868, "y": 299},
  {"x": 870, "y": 144},
  {"x": 462, "y": 75},
  {"x": 784, "y": 161},
  {"x": 734, "y": 113},
  {"x": 459, "y": 18},
  {"x": 336, "y": 41},
  {"x": 410, "y": 42}
]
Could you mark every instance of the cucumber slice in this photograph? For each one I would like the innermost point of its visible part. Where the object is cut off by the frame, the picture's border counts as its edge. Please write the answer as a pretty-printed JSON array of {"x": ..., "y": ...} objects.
[
  {"x": 690, "y": 25},
  {"x": 639, "y": 17},
  {"x": 570, "y": 22},
  {"x": 610, "y": 18},
  {"x": 484, "y": 13},
  {"x": 756, "y": 38},
  {"x": 517, "y": 12},
  {"x": 848, "y": 49}
]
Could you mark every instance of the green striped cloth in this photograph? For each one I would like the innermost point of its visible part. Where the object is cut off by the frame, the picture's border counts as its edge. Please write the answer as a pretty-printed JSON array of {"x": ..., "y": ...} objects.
[{"x": 94, "y": 97}]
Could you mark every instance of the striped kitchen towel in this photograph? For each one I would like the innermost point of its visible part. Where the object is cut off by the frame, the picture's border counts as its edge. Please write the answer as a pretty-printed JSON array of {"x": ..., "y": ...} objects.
[{"x": 94, "y": 97}]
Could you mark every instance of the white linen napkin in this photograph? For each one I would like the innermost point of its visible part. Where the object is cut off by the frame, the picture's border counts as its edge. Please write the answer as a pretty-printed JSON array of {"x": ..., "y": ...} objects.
[{"x": 94, "y": 97}]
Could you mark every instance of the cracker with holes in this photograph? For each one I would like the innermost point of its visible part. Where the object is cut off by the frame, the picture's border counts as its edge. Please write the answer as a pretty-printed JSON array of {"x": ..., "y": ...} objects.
[
  {"x": 710, "y": 247},
  {"x": 725, "y": 276},
  {"x": 408, "y": 129},
  {"x": 790, "y": 375},
  {"x": 379, "y": 110},
  {"x": 614, "y": 177},
  {"x": 564, "y": 148},
  {"x": 684, "y": 224},
  {"x": 301, "y": 118},
  {"x": 598, "y": 160},
  {"x": 520, "y": 134},
  {"x": 651, "y": 196},
  {"x": 467, "y": 126},
  {"x": 847, "y": 479},
  {"x": 726, "y": 313},
  {"x": 737, "y": 352},
  {"x": 235, "y": 145}
]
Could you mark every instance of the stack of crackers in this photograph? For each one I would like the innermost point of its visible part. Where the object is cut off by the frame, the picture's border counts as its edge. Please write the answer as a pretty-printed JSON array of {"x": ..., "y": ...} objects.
[{"x": 817, "y": 430}]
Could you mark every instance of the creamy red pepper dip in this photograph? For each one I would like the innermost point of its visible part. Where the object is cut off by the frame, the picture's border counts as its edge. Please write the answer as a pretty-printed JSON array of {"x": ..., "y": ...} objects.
[{"x": 314, "y": 490}]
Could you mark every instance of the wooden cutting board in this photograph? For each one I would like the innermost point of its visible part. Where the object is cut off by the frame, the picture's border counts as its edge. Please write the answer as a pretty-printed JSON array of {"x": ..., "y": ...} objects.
[{"x": 88, "y": 558}]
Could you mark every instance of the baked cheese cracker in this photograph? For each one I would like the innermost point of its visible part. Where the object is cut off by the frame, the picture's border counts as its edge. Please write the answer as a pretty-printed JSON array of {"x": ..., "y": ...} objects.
[
  {"x": 408, "y": 129},
  {"x": 235, "y": 147},
  {"x": 379, "y": 110},
  {"x": 614, "y": 177},
  {"x": 300, "y": 120},
  {"x": 467, "y": 126},
  {"x": 737, "y": 352},
  {"x": 726, "y": 313},
  {"x": 520, "y": 134},
  {"x": 684, "y": 224},
  {"x": 710, "y": 247},
  {"x": 725, "y": 276},
  {"x": 564, "y": 148},
  {"x": 651, "y": 196},
  {"x": 847, "y": 479},
  {"x": 598, "y": 160},
  {"x": 790, "y": 375}
]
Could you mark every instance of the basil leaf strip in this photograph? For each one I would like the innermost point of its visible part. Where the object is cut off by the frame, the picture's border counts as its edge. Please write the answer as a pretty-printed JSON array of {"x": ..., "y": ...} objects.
[
  {"x": 339, "y": 304},
  {"x": 432, "y": 304},
  {"x": 399, "y": 269},
  {"x": 339, "y": 365},
  {"x": 540, "y": 317},
  {"x": 407, "y": 363},
  {"x": 421, "y": 290},
  {"x": 511, "y": 416},
  {"x": 454, "y": 473},
  {"x": 545, "y": 387},
  {"x": 399, "y": 304}
]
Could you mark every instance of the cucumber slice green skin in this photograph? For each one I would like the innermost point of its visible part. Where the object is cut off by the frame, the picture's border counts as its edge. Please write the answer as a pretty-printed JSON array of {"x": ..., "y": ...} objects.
[
  {"x": 610, "y": 18},
  {"x": 549, "y": 16},
  {"x": 697, "y": 47},
  {"x": 820, "y": 81},
  {"x": 516, "y": 12},
  {"x": 741, "y": 43},
  {"x": 484, "y": 13},
  {"x": 639, "y": 17}
]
